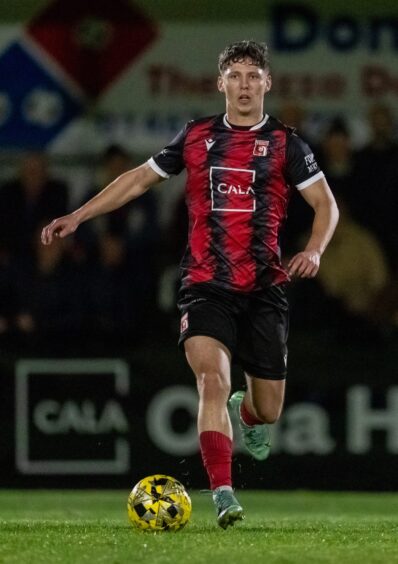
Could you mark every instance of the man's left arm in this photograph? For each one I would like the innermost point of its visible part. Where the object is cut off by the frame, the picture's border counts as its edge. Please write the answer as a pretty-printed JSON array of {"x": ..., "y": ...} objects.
[{"x": 319, "y": 196}]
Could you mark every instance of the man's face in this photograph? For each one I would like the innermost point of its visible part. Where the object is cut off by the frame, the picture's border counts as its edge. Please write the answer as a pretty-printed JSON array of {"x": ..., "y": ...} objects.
[{"x": 244, "y": 85}]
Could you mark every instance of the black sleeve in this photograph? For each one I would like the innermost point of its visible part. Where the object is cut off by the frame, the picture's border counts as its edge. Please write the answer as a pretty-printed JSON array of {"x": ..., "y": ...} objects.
[
  {"x": 301, "y": 167},
  {"x": 170, "y": 160}
]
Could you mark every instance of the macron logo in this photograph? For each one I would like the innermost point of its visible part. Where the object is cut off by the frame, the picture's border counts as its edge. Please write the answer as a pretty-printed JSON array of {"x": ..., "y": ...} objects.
[{"x": 209, "y": 143}]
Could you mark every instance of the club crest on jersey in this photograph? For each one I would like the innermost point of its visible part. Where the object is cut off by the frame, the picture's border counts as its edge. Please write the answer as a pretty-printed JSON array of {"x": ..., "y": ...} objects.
[
  {"x": 260, "y": 148},
  {"x": 184, "y": 323}
]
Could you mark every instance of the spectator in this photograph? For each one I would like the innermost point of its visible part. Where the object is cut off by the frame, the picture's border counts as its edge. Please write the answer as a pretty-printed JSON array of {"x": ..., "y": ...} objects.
[
  {"x": 27, "y": 201},
  {"x": 50, "y": 294},
  {"x": 111, "y": 297},
  {"x": 137, "y": 221},
  {"x": 336, "y": 159},
  {"x": 350, "y": 286},
  {"x": 130, "y": 234},
  {"x": 375, "y": 189},
  {"x": 292, "y": 114},
  {"x": 354, "y": 269}
]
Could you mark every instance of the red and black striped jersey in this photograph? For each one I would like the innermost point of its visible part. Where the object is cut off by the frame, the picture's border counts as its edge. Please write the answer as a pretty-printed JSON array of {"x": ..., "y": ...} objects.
[{"x": 238, "y": 184}]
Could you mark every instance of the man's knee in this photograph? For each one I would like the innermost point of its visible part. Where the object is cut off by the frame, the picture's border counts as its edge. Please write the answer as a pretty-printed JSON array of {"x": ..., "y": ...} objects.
[
  {"x": 268, "y": 413},
  {"x": 212, "y": 383}
]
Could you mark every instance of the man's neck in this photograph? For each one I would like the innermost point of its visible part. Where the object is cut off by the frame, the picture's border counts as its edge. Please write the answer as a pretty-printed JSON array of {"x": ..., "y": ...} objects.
[{"x": 244, "y": 120}]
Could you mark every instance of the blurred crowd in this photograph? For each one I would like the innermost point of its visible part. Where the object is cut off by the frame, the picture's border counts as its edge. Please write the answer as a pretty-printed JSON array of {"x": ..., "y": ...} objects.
[
  {"x": 115, "y": 281},
  {"x": 98, "y": 286},
  {"x": 356, "y": 291}
]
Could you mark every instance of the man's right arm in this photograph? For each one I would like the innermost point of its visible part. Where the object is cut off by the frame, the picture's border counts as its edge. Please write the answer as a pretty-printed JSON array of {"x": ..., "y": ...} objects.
[{"x": 126, "y": 187}]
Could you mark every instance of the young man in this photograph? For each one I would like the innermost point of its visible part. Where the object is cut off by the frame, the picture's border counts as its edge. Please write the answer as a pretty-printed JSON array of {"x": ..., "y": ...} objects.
[{"x": 241, "y": 166}]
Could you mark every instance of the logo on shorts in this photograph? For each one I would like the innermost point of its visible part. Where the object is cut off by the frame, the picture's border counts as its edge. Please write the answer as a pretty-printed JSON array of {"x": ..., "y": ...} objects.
[
  {"x": 184, "y": 323},
  {"x": 232, "y": 189},
  {"x": 260, "y": 148}
]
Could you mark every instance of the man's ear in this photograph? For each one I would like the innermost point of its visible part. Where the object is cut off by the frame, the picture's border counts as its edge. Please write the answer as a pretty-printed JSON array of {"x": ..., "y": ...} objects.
[
  {"x": 220, "y": 84},
  {"x": 268, "y": 82}
]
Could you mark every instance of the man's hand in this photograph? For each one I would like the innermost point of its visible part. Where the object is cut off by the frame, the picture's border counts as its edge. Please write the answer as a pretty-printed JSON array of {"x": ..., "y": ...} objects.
[
  {"x": 305, "y": 264},
  {"x": 60, "y": 227}
]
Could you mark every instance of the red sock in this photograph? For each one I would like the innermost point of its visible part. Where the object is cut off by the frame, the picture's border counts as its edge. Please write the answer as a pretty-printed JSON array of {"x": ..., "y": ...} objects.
[
  {"x": 247, "y": 417},
  {"x": 216, "y": 451}
]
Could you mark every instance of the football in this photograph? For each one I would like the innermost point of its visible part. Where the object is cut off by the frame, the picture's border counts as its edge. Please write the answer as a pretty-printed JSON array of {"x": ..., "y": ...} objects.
[{"x": 159, "y": 503}]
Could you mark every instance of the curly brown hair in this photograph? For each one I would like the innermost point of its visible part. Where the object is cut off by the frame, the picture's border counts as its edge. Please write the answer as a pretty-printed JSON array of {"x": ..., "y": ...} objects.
[{"x": 241, "y": 50}]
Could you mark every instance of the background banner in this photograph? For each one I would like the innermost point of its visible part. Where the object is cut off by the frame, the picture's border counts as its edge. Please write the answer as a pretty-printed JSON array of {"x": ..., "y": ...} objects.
[
  {"x": 109, "y": 422},
  {"x": 142, "y": 69}
]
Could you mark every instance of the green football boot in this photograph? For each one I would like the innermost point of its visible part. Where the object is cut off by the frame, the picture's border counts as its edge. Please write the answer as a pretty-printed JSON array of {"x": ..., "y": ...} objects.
[
  {"x": 228, "y": 508},
  {"x": 256, "y": 439}
]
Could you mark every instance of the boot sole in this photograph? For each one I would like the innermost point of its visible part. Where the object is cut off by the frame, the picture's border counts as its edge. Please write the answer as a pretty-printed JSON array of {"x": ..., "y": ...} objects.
[{"x": 230, "y": 515}]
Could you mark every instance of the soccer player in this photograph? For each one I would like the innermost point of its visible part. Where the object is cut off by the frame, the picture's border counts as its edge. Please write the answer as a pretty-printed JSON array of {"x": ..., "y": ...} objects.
[{"x": 242, "y": 166}]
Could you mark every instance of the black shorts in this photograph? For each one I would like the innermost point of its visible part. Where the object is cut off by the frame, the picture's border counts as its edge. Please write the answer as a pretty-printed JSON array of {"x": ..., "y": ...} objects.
[{"x": 253, "y": 326}]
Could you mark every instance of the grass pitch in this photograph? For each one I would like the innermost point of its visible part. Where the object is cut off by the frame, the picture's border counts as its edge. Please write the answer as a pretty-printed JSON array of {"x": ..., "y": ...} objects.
[{"x": 280, "y": 528}]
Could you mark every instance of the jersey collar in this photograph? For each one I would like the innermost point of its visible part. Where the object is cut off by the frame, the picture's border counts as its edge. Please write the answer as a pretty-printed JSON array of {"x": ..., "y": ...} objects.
[{"x": 252, "y": 128}]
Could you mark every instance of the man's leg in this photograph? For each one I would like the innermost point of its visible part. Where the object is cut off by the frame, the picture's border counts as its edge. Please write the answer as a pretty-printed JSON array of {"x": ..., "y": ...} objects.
[
  {"x": 262, "y": 351},
  {"x": 210, "y": 361},
  {"x": 260, "y": 406},
  {"x": 264, "y": 398}
]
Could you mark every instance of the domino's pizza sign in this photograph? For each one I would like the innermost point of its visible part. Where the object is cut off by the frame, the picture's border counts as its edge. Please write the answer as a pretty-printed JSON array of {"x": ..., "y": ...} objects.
[
  {"x": 69, "y": 53},
  {"x": 34, "y": 105}
]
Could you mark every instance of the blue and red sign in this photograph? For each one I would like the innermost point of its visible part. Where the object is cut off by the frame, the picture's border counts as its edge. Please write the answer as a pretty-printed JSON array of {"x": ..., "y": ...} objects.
[
  {"x": 34, "y": 105},
  {"x": 93, "y": 41},
  {"x": 69, "y": 47}
]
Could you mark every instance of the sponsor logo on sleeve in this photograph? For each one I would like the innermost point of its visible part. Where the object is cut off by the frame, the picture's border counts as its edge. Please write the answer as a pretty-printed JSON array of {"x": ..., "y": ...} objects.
[{"x": 311, "y": 163}]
